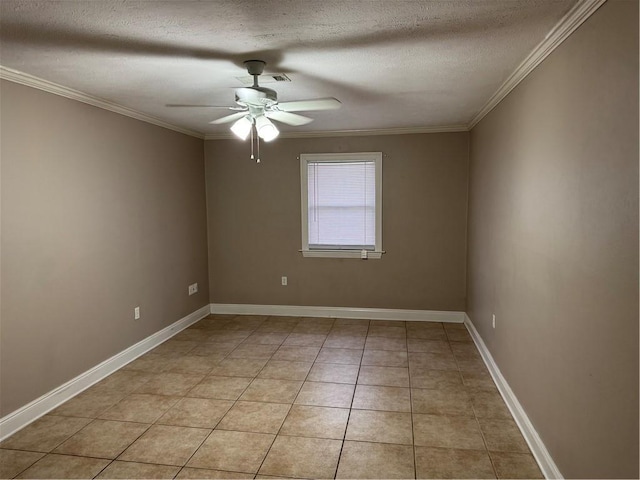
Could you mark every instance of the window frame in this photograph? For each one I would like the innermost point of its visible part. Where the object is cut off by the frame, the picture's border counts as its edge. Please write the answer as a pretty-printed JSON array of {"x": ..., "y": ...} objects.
[{"x": 305, "y": 159}]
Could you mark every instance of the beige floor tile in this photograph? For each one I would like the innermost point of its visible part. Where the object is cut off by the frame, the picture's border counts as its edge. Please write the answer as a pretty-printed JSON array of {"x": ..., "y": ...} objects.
[
  {"x": 221, "y": 388},
  {"x": 458, "y": 335},
  {"x": 233, "y": 327},
  {"x": 471, "y": 364},
  {"x": 433, "y": 361},
  {"x": 276, "y": 326},
  {"x": 256, "y": 417},
  {"x": 127, "y": 470},
  {"x": 12, "y": 462},
  {"x": 423, "y": 378},
  {"x": 464, "y": 350},
  {"x": 452, "y": 401},
  {"x": 274, "y": 477},
  {"x": 384, "y": 376},
  {"x": 420, "y": 345},
  {"x": 325, "y": 321},
  {"x": 388, "y": 323},
  {"x": 446, "y": 432},
  {"x": 375, "y": 460},
  {"x": 140, "y": 408},
  {"x": 102, "y": 439},
  {"x": 248, "y": 350},
  {"x": 228, "y": 337},
  {"x": 167, "y": 383},
  {"x": 305, "y": 340},
  {"x": 88, "y": 404},
  {"x": 45, "y": 434},
  {"x": 175, "y": 346},
  {"x": 345, "y": 356},
  {"x": 316, "y": 329},
  {"x": 432, "y": 333},
  {"x": 150, "y": 363},
  {"x": 502, "y": 436},
  {"x": 233, "y": 451},
  {"x": 350, "y": 330},
  {"x": 351, "y": 321},
  {"x": 333, "y": 373},
  {"x": 302, "y": 457},
  {"x": 391, "y": 399},
  {"x": 194, "y": 364},
  {"x": 452, "y": 463},
  {"x": 65, "y": 466},
  {"x": 213, "y": 349},
  {"x": 489, "y": 404},
  {"x": 270, "y": 390},
  {"x": 345, "y": 341},
  {"x": 283, "y": 370},
  {"x": 380, "y": 427},
  {"x": 252, "y": 320},
  {"x": 239, "y": 367},
  {"x": 515, "y": 465},
  {"x": 320, "y": 422},
  {"x": 478, "y": 380},
  {"x": 192, "y": 335},
  {"x": 325, "y": 394},
  {"x": 196, "y": 412},
  {"x": 166, "y": 445},
  {"x": 122, "y": 381},
  {"x": 388, "y": 331},
  {"x": 384, "y": 343},
  {"x": 261, "y": 338},
  {"x": 198, "y": 473},
  {"x": 296, "y": 354},
  {"x": 385, "y": 358},
  {"x": 454, "y": 326}
]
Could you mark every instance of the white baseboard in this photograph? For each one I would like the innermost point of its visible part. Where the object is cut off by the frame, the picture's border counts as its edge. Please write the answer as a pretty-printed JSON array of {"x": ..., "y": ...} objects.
[
  {"x": 538, "y": 449},
  {"x": 339, "y": 312},
  {"x": 22, "y": 417}
]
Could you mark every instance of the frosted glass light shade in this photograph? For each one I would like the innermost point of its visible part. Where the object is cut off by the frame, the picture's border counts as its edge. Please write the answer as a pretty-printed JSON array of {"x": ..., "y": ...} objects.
[
  {"x": 266, "y": 130},
  {"x": 242, "y": 128}
]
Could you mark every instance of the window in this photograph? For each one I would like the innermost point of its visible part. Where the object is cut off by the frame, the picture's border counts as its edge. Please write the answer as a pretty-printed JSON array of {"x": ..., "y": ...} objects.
[{"x": 341, "y": 204}]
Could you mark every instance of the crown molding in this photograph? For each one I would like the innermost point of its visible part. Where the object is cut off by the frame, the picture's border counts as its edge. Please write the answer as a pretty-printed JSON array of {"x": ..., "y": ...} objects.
[
  {"x": 47, "y": 86},
  {"x": 354, "y": 133},
  {"x": 565, "y": 27}
]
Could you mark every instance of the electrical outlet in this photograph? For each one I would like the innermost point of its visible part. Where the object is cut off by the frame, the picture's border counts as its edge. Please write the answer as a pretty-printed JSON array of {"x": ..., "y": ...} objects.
[
  {"x": 284, "y": 281},
  {"x": 494, "y": 320},
  {"x": 193, "y": 289},
  {"x": 136, "y": 313}
]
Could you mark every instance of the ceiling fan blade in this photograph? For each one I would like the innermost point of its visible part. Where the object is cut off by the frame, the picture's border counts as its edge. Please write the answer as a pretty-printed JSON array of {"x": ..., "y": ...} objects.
[
  {"x": 308, "y": 105},
  {"x": 229, "y": 118},
  {"x": 289, "y": 118},
  {"x": 188, "y": 105}
]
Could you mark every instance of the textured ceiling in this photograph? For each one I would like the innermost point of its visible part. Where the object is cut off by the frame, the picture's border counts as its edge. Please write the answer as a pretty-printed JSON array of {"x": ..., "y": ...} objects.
[{"x": 392, "y": 63}]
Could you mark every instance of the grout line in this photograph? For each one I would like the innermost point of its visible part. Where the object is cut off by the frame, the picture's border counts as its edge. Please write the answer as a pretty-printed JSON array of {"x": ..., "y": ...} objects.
[
  {"x": 344, "y": 437},
  {"x": 290, "y": 407},
  {"x": 413, "y": 435}
]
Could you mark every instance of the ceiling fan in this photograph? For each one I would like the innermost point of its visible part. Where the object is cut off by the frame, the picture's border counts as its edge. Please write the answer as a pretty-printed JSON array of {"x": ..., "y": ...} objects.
[{"x": 257, "y": 106}]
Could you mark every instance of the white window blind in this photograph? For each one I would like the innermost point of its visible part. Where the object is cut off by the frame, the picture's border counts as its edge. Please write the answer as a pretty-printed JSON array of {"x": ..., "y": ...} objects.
[
  {"x": 341, "y": 204},
  {"x": 341, "y": 199}
]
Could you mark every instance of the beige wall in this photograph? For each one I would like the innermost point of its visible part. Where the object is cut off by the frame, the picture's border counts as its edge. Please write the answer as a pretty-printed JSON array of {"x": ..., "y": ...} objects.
[
  {"x": 255, "y": 226},
  {"x": 553, "y": 244},
  {"x": 100, "y": 213}
]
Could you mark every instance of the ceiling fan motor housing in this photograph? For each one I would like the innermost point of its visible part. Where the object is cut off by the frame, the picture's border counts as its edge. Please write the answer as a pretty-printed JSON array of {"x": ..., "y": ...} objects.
[{"x": 259, "y": 96}]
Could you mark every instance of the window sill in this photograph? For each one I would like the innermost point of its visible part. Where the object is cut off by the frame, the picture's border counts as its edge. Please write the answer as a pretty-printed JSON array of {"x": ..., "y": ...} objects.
[{"x": 341, "y": 254}]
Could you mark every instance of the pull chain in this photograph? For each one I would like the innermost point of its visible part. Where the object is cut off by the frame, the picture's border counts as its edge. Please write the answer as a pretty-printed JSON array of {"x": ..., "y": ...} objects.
[
  {"x": 258, "y": 142},
  {"x": 252, "y": 127}
]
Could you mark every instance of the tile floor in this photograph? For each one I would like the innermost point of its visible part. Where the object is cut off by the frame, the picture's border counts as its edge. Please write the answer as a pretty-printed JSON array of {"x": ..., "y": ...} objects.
[{"x": 267, "y": 397}]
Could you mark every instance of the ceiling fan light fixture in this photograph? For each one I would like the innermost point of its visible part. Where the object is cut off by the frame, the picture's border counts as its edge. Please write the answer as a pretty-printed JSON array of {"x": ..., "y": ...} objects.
[
  {"x": 266, "y": 129},
  {"x": 242, "y": 128}
]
